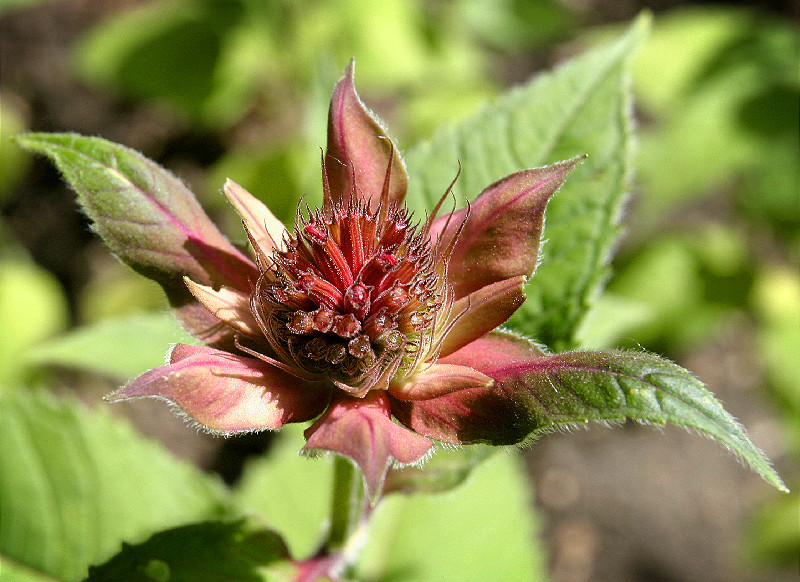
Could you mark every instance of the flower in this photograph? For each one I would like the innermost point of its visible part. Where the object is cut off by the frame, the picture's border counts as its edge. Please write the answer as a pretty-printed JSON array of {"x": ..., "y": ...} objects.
[{"x": 379, "y": 328}]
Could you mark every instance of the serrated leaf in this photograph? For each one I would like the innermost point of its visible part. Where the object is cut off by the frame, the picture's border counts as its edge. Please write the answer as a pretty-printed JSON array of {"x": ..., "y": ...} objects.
[
  {"x": 535, "y": 392},
  {"x": 75, "y": 483},
  {"x": 212, "y": 552},
  {"x": 146, "y": 216},
  {"x": 583, "y": 107},
  {"x": 483, "y": 530},
  {"x": 114, "y": 347}
]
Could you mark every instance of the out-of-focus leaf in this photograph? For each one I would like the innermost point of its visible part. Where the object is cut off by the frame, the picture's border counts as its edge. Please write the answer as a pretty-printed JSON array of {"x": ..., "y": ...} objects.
[
  {"x": 76, "y": 483},
  {"x": 164, "y": 50},
  {"x": 776, "y": 298},
  {"x": 722, "y": 88},
  {"x": 774, "y": 533},
  {"x": 483, "y": 530},
  {"x": 32, "y": 307},
  {"x": 611, "y": 319},
  {"x": 581, "y": 107},
  {"x": 665, "y": 278},
  {"x": 115, "y": 291},
  {"x": 15, "y": 161},
  {"x": 235, "y": 551},
  {"x": 275, "y": 177},
  {"x": 289, "y": 491},
  {"x": 121, "y": 348}
]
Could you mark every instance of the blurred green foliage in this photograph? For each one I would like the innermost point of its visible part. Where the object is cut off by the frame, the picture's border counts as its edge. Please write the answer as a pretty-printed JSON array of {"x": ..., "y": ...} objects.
[{"x": 715, "y": 224}]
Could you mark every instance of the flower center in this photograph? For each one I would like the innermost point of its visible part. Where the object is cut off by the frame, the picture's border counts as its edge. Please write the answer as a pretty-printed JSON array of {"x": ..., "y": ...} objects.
[{"x": 355, "y": 297}]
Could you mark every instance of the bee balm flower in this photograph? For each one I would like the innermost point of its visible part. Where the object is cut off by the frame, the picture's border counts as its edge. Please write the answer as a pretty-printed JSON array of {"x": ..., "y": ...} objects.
[{"x": 374, "y": 325}]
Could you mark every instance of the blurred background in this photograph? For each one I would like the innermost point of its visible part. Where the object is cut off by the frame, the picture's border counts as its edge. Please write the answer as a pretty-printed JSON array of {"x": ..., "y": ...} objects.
[{"x": 706, "y": 274}]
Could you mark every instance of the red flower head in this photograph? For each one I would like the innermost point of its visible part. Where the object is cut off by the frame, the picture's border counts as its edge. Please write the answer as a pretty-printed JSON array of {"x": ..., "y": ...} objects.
[{"x": 361, "y": 316}]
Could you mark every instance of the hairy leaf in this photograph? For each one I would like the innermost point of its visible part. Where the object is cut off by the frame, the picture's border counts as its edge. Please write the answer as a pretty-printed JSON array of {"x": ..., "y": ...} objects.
[
  {"x": 76, "y": 483},
  {"x": 542, "y": 392},
  {"x": 582, "y": 107},
  {"x": 148, "y": 219}
]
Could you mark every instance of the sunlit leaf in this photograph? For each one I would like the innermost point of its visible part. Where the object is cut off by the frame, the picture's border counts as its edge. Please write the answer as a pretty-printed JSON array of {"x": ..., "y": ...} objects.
[
  {"x": 483, "y": 530},
  {"x": 76, "y": 483},
  {"x": 543, "y": 392},
  {"x": 582, "y": 107},
  {"x": 289, "y": 491},
  {"x": 32, "y": 307}
]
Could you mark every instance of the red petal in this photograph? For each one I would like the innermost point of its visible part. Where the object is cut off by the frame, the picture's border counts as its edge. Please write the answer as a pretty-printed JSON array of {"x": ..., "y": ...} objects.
[
  {"x": 227, "y": 393},
  {"x": 500, "y": 239},
  {"x": 358, "y": 147},
  {"x": 494, "y": 414},
  {"x": 362, "y": 429}
]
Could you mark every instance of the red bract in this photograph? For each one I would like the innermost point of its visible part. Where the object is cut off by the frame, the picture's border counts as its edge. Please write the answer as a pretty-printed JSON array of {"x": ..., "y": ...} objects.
[{"x": 378, "y": 327}]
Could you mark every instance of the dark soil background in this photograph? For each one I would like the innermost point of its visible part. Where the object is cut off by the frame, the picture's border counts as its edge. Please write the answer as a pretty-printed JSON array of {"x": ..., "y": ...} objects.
[{"x": 632, "y": 504}]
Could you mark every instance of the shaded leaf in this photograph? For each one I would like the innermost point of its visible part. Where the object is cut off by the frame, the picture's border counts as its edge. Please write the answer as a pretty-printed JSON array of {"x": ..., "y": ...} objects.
[
  {"x": 234, "y": 551},
  {"x": 582, "y": 107},
  {"x": 445, "y": 470},
  {"x": 75, "y": 483}
]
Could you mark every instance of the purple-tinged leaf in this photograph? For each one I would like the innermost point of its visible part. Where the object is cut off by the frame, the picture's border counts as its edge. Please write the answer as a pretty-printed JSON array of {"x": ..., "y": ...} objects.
[
  {"x": 536, "y": 392},
  {"x": 437, "y": 380},
  {"x": 149, "y": 219},
  {"x": 362, "y": 429},
  {"x": 482, "y": 311},
  {"x": 266, "y": 231},
  {"x": 503, "y": 228},
  {"x": 226, "y": 393},
  {"x": 359, "y": 149}
]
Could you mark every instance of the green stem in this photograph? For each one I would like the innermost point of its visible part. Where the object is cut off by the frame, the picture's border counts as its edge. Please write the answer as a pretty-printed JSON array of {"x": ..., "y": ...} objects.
[{"x": 347, "y": 505}]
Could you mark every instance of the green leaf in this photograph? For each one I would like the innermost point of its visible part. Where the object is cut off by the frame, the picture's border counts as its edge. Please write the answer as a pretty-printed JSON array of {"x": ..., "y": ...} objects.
[
  {"x": 114, "y": 347},
  {"x": 212, "y": 552},
  {"x": 289, "y": 491},
  {"x": 75, "y": 483},
  {"x": 446, "y": 470},
  {"x": 576, "y": 387},
  {"x": 32, "y": 307},
  {"x": 146, "y": 216},
  {"x": 774, "y": 533},
  {"x": 583, "y": 107},
  {"x": 483, "y": 530},
  {"x": 534, "y": 392}
]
